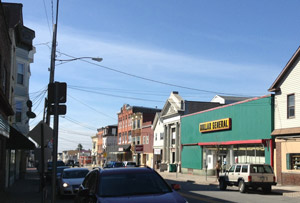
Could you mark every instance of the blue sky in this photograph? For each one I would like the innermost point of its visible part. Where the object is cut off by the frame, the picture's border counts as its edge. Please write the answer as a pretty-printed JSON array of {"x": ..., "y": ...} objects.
[{"x": 229, "y": 47}]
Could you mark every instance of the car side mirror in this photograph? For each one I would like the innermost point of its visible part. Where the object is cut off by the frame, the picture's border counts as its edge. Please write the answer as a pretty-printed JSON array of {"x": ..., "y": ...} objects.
[
  {"x": 176, "y": 187},
  {"x": 84, "y": 192}
]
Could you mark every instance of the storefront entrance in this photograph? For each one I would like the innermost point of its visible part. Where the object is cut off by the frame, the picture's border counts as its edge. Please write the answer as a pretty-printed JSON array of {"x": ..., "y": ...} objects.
[{"x": 231, "y": 154}]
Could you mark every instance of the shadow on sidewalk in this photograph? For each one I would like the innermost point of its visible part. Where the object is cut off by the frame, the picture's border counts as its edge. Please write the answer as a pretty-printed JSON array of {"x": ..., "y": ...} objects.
[{"x": 24, "y": 190}]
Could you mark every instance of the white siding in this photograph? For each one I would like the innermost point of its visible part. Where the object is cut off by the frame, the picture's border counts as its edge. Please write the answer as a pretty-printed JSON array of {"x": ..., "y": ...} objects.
[{"x": 290, "y": 85}]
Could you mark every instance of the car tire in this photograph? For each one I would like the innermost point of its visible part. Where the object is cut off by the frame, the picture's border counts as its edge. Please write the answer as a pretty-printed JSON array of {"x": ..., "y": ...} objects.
[
  {"x": 242, "y": 186},
  {"x": 222, "y": 184},
  {"x": 267, "y": 189}
]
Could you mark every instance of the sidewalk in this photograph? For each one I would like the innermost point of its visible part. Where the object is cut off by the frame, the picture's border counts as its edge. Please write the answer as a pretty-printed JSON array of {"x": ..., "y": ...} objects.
[
  {"x": 288, "y": 191},
  {"x": 24, "y": 190}
]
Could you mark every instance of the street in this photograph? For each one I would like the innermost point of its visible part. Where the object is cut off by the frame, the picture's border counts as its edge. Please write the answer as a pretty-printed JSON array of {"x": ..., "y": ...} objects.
[{"x": 211, "y": 193}]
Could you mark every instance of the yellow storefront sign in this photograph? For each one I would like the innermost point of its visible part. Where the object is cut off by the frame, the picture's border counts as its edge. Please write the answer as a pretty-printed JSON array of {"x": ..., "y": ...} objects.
[{"x": 222, "y": 124}]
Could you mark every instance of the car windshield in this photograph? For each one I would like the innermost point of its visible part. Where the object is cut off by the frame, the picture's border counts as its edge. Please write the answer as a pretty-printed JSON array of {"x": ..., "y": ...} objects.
[
  {"x": 60, "y": 170},
  {"x": 75, "y": 174},
  {"x": 261, "y": 169},
  {"x": 131, "y": 164},
  {"x": 114, "y": 185}
]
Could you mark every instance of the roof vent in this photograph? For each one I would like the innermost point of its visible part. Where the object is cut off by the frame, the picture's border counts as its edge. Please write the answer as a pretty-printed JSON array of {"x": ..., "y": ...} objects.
[{"x": 175, "y": 92}]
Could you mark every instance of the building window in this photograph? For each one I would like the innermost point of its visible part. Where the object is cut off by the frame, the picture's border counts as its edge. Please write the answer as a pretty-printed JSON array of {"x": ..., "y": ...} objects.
[
  {"x": 144, "y": 139},
  {"x": 20, "y": 76},
  {"x": 129, "y": 137},
  {"x": 125, "y": 137},
  {"x": 161, "y": 136},
  {"x": 19, "y": 105},
  {"x": 133, "y": 122},
  {"x": 147, "y": 140},
  {"x": 293, "y": 161},
  {"x": 138, "y": 139},
  {"x": 138, "y": 123},
  {"x": 291, "y": 106},
  {"x": 113, "y": 131},
  {"x": 120, "y": 138},
  {"x": 155, "y": 136},
  {"x": 173, "y": 135}
]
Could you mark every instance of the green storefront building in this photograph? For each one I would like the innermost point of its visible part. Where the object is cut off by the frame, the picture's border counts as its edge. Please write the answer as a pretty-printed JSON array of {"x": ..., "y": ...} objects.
[{"x": 234, "y": 133}]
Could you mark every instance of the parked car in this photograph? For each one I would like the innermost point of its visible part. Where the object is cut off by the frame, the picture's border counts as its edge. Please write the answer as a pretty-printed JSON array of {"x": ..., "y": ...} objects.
[
  {"x": 49, "y": 168},
  {"x": 247, "y": 176},
  {"x": 77, "y": 164},
  {"x": 138, "y": 184},
  {"x": 70, "y": 163},
  {"x": 60, "y": 169},
  {"x": 129, "y": 163},
  {"x": 114, "y": 164},
  {"x": 70, "y": 180}
]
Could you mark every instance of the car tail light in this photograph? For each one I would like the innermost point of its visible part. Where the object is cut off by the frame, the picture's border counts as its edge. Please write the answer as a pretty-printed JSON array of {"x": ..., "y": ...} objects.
[
  {"x": 274, "y": 179},
  {"x": 249, "y": 178}
]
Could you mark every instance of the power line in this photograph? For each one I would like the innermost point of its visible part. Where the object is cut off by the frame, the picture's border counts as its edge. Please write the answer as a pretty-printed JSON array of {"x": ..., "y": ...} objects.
[
  {"x": 47, "y": 17},
  {"x": 78, "y": 123},
  {"x": 112, "y": 95},
  {"x": 91, "y": 107},
  {"x": 151, "y": 80}
]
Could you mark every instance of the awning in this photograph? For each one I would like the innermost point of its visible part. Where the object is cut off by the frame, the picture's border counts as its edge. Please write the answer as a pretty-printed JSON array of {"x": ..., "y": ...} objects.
[
  {"x": 286, "y": 131},
  {"x": 236, "y": 142},
  {"x": 18, "y": 141}
]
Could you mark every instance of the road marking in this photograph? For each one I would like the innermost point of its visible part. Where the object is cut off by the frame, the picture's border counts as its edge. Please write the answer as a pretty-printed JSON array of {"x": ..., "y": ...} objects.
[{"x": 198, "y": 198}]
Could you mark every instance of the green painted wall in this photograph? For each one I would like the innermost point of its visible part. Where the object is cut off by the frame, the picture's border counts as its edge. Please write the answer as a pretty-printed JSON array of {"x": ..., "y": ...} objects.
[
  {"x": 250, "y": 121},
  {"x": 192, "y": 157}
]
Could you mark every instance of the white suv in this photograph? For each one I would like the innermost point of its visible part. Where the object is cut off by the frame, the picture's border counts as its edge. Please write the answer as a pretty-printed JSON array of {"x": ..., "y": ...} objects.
[{"x": 248, "y": 176}]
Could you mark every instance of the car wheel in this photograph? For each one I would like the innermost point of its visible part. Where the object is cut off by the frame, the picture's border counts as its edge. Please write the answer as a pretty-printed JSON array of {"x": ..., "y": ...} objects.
[
  {"x": 267, "y": 189},
  {"x": 222, "y": 184},
  {"x": 242, "y": 186}
]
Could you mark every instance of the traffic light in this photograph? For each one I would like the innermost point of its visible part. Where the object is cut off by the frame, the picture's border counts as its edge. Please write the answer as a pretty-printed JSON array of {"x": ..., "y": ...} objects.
[
  {"x": 57, "y": 92},
  {"x": 29, "y": 113}
]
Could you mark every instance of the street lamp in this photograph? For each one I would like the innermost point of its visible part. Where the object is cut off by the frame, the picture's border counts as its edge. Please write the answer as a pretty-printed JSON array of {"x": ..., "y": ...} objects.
[{"x": 79, "y": 58}]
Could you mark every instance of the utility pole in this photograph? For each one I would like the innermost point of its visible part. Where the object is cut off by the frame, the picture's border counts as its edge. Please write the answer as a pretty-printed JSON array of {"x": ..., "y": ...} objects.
[{"x": 55, "y": 123}]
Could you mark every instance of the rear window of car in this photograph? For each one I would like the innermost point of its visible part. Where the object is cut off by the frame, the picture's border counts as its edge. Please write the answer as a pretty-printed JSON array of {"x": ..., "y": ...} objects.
[
  {"x": 115, "y": 185},
  {"x": 75, "y": 174},
  {"x": 131, "y": 164},
  {"x": 119, "y": 164},
  {"x": 261, "y": 169}
]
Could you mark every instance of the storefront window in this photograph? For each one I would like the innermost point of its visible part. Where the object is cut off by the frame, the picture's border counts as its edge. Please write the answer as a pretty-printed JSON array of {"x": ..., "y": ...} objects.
[{"x": 293, "y": 161}]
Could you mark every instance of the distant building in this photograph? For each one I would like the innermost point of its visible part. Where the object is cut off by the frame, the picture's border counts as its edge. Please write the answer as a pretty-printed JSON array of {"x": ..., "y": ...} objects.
[
  {"x": 174, "y": 108},
  {"x": 130, "y": 119},
  {"x": 227, "y": 99},
  {"x": 158, "y": 140}
]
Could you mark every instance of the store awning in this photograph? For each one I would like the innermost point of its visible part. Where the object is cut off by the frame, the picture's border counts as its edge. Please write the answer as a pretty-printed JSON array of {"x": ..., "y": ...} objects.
[
  {"x": 233, "y": 142},
  {"x": 18, "y": 141},
  {"x": 286, "y": 131}
]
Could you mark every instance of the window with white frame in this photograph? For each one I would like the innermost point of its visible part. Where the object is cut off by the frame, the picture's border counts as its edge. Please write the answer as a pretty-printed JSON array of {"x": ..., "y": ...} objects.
[
  {"x": 291, "y": 106},
  {"x": 144, "y": 139},
  {"x": 155, "y": 136},
  {"x": 20, "y": 74},
  {"x": 120, "y": 138},
  {"x": 138, "y": 139},
  {"x": 147, "y": 139}
]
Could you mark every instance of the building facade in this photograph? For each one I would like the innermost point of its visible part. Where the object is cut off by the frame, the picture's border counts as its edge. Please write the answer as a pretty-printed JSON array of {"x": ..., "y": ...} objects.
[
  {"x": 174, "y": 108},
  {"x": 130, "y": 120},
  {"x": 234, "y": 133},
  {"x": 6, "y": 109},
  {"x": 158, "y": 140},
  {"x": 287, "y": 122}
]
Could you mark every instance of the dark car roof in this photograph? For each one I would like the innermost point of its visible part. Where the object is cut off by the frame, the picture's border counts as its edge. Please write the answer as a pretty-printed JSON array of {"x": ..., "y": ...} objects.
[{"x": 108, "y": 171}]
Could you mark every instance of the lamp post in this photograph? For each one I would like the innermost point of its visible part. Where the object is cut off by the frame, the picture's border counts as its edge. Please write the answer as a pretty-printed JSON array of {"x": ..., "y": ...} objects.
[{"x": 79, "y": 58}]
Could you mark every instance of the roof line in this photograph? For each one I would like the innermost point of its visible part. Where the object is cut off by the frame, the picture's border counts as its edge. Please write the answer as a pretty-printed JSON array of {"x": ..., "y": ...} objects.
[
  {"x": 285, "y": 70},
  {"x": 236, "y": 103}
]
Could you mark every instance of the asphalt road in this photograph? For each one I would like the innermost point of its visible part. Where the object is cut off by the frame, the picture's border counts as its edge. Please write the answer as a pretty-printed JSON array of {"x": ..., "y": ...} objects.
[{"x": 211, "y": 193}]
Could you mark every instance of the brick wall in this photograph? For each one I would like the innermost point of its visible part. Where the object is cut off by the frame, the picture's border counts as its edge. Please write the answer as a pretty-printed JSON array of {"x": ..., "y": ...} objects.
[
  {"x": 290, "y": 179},
  {"x": 278, "y": 162}
]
